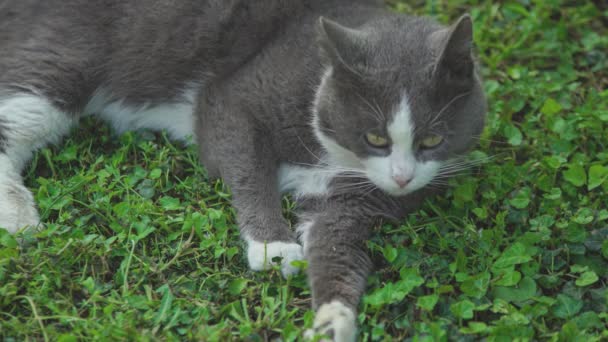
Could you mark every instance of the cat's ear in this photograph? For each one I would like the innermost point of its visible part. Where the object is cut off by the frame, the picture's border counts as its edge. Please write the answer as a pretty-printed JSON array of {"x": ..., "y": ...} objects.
[
  {"x": 454, "y": 46},
  {"x": 340, "y": 45}
]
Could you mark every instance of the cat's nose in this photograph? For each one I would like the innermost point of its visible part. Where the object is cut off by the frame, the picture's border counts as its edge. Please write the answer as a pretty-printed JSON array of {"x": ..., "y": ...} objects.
[{"x": 402, "y": 181}]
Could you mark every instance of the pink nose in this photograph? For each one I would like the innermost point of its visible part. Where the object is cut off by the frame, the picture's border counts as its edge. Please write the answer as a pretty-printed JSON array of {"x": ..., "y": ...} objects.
[{"x": 402, "y": 181}]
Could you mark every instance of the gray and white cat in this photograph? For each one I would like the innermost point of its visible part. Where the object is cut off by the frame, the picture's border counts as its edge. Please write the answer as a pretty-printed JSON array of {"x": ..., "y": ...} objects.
[{"x": 351, "y": 108}]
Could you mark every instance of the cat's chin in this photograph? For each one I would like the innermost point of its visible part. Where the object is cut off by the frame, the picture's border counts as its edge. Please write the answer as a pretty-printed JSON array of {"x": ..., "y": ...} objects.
[{"x": 397, "y": 192}]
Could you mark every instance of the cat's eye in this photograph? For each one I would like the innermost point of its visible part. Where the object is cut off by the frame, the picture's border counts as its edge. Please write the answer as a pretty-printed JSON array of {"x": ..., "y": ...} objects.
[
  {"x": 431, "y": 141},
  {"x": 376, "y": 140}
]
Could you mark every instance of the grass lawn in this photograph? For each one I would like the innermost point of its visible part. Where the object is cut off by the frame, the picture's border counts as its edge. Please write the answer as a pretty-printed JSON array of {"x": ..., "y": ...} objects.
[{"x": 139, "y": 245}]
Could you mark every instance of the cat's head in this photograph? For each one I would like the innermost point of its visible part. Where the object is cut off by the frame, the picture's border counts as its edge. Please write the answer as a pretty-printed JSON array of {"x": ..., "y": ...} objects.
[{"x": 399, "y": 100}]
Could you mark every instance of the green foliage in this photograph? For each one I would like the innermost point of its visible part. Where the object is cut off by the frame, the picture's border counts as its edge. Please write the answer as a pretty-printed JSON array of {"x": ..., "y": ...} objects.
[{"x": 140, "y": 245}]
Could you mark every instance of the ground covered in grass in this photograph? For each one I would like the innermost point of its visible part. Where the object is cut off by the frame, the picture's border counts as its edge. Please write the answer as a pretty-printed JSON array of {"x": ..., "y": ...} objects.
[{"x": 140, "y": 246}]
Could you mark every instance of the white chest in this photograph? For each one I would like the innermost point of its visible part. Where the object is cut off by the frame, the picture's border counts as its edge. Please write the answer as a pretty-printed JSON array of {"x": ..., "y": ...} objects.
[
  {"x": 176, "y": 117},
  {"x": 305, "y": 181}
]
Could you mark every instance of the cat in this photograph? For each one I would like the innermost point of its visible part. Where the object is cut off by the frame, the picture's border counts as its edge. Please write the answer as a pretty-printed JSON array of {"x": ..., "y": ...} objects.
[{"x": 356, "y": 111}]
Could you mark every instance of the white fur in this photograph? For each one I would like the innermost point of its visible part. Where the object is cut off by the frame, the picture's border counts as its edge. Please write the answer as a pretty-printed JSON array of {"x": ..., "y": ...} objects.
[
  {"x": 401, "y": 163},
  {"x": 303, "y": 230},
  {"x": 260, "y": 255},
  {"x": 17, "y": 208},
  {"x": 305, "y": 181},
  {"x": 175, "y": 117},
  {"x": 337, "y": 155},
  {"x": 336, "y": 317},
  {"x": 30, "y": 122}
]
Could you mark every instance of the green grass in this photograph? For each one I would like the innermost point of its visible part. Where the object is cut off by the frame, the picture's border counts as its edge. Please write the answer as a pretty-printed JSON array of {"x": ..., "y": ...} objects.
[{"x": 139, "y": 245}]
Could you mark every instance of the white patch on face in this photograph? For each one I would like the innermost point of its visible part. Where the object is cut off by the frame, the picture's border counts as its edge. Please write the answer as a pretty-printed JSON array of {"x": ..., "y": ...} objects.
[
  {"x": 175, "y": 117},
  {"x": 260, "y": 255},
  {"x": 337, "y": 318},
  {"x": 398, "y": 174}
]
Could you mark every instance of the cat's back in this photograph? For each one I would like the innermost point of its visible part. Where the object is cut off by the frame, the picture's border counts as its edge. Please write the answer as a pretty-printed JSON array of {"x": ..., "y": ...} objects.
[
  {"x": 148, "y": 45},
  {"x": 24, "y": 17},
  {"x": 145, "y": 50},
  {"x": 71, "y": 21},
  {"x": 31, "y": 28}
]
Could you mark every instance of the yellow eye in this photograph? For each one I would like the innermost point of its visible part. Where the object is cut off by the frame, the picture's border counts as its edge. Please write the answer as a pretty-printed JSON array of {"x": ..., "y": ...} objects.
[
  {"x": 432, "y": 141},
  {"x": 376, "y": 140}
]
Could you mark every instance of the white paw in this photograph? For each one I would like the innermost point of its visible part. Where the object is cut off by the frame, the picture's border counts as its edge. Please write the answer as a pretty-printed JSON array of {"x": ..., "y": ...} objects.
[
  {"x": 335, "y": 320},
  {"x": 17, "y": 208},
  {"x": 260, "y": 255}
]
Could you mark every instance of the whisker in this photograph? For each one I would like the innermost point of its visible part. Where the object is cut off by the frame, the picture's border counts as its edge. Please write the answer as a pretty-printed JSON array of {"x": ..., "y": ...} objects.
[
  {"x": 353, "y": 186},
  {"x": 341, "y": 190},
  {"x": 361, "y": 182},
  {"x": 370, "y": 191},
  {"x": 372, "y": 113},
  {"x": 440, "y": 183},
  {"x": 435, "y": 186},
  {"x": 458, "y": 162},
  {"x": 450, "y": 175},
  {"x": 490, "y": 140},
  {"x": 307, "y": 149},
  {"x": 323, "y": 167},
  {"x": 326, "y": 129},
  {"x": 379, "y": 110},
  {"x": 377, "y": 115},
  {"x": 456, "y": 98},
  {"x": 457, "y": 168}
]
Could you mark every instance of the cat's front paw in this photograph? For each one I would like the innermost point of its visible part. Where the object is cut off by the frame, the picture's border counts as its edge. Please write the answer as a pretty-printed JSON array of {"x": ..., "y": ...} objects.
[
  {"x": 260, "y": 255},
  {"x": 17, "y": 208},
  {"x": 335, "y": 320}
]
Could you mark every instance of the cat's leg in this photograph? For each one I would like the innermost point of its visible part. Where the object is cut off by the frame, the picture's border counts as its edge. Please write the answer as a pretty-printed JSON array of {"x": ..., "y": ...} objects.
[
  {"x": 28, "y": 121},
  {"x": 251, "y": 176},
  {"x": 338, "y": 266},
  {"x": 47, "y": 74},
  {"x": 242, "y": 154}
]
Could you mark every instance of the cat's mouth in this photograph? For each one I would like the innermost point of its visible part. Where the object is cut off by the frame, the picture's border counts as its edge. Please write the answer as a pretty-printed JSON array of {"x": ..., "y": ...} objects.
[{"x": 402, "y": 181}]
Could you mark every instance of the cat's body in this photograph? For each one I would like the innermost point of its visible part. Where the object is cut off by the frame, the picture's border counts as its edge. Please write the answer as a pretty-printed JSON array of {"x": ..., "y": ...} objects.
[{"x": 277, "y": 100}]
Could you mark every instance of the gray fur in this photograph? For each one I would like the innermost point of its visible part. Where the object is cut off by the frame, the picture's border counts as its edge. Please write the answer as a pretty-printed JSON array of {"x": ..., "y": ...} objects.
[{"x": 257, "y": 66}]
